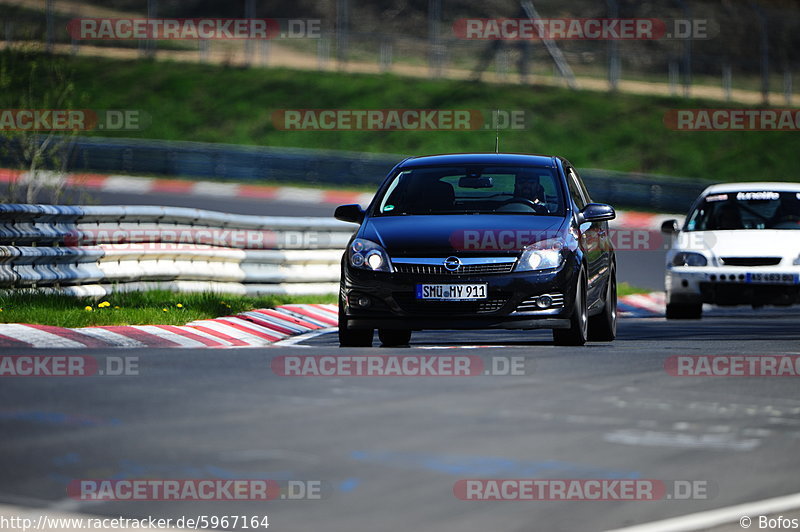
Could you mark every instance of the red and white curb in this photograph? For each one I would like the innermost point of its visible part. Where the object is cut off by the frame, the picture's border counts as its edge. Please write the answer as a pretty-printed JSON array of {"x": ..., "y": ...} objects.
[
  {"x": 642, "y": 305},
  {"x": 256, "y": 328},
  {"x": 149, "y": 185}
]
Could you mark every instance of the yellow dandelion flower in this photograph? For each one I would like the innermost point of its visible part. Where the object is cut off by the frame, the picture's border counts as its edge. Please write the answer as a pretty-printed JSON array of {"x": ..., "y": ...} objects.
[
  {"x": 179, "y": 305},
  {"x": 165, "y": 310},
  {"x": 116, "y": 306},
  {"x": 87, "y": 308}
]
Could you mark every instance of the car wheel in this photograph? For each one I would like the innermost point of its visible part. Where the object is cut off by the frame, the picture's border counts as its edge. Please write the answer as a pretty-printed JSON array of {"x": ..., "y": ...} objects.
[
  {"x": 578, "y": 322},
  {"x": 684, "y": 311},
  {"x": 394, "y": 337},
  {"x": 603, "y": 327},
  {"x": 352, "y": 337}
]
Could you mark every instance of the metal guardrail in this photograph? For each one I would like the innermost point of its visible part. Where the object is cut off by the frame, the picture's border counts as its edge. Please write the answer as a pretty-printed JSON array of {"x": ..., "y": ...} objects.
[
  {"x": 644, "y": 191},
  {"x": 86, "y": 250},
  {"x": 228, "y": 161},
  {"x": 253, "y": 163}
]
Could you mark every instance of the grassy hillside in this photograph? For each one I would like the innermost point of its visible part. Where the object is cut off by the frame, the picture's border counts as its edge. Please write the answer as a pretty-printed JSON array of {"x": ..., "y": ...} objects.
[{"x": 611, "y": 131}]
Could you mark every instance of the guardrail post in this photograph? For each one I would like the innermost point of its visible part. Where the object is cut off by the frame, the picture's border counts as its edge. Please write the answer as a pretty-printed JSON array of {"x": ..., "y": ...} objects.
[
  {"x": 787, "y": 86},
  {"x": 613, "y": 49},
  {"x": 727, "y": 81}
]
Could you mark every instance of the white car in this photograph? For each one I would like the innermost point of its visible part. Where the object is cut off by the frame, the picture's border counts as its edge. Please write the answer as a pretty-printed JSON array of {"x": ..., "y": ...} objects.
[{"x": 740, "y": 245}]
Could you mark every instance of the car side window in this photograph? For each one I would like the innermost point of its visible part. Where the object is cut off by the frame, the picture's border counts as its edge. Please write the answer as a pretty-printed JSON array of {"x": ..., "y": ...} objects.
[
  {"x": 575, "y": 189},
  {"x": 581, "y": 185}
]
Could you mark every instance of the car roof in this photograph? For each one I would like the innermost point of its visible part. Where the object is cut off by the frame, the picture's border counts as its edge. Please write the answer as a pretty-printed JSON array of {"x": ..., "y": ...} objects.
[
  {"x": 519, "y": 159},
  {"x": 752, "y": 187}
]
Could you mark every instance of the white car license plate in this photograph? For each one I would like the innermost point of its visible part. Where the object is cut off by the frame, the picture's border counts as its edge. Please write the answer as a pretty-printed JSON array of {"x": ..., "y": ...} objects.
[
  {"x": 772, "y": 278},
  {"x": 451, "y": 292}
]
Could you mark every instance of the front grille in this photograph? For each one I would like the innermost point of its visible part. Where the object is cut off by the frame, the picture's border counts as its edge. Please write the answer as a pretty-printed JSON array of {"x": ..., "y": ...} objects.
[
  {"x": 465, "y": 269},
  {"x": 409, "y": 303},
  {"x": 751, "y": 261},
  {"x": 530, "y": 304}
]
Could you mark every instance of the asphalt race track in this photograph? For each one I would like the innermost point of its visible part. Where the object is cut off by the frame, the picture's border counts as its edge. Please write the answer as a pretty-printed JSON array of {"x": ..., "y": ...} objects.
[{"x": 388, "y": 450}]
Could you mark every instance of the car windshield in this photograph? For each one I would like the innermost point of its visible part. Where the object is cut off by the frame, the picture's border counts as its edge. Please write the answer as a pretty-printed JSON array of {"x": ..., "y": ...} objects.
[
  {"x": 746, "y": 210},
  {"x": 473, "y": 190}
]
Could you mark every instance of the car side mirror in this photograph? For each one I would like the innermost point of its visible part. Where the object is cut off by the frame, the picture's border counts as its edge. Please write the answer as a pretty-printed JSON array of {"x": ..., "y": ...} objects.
[
  {"x": 670, "y": 227},
  {"x": 349, "y": 213},
  {"x": 597, "y": 212}
]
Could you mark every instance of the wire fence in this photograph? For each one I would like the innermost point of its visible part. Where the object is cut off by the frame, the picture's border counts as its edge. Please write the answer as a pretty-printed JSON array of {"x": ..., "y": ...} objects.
[{"x": 735, "y": 47}]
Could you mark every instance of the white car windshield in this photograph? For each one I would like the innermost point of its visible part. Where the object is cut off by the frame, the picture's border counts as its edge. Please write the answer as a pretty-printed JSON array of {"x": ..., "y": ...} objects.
[{"x": 732, "y": 211}]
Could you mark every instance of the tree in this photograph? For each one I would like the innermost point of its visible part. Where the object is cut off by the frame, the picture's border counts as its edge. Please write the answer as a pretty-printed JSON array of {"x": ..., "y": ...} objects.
[{"x": 31, "y": 80}]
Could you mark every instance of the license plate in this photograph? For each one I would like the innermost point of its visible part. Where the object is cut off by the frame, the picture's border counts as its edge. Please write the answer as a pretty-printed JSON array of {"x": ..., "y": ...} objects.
[
  {"x": 451, "y": 292},
  {"x": 773, "y": 278}
]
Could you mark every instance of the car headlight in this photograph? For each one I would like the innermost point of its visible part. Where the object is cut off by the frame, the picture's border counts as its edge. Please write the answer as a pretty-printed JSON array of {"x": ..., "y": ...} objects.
[
  {"x": 368, "y": 255},
  {"x": 687, "y": 258},
  {"x": 543, "y": 255}
]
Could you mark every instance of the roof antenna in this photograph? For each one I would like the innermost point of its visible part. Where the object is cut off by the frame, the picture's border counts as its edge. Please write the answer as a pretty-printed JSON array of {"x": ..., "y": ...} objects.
[{"x": 496, "y": 132}]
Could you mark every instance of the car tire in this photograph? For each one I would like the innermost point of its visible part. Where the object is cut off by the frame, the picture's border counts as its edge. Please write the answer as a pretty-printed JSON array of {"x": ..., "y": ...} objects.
[
  {"x": 684, "y": 311},
  {"x": 394, "y": 337},
  {"x": 579, "y": 320},
  {"x": 603, "y": 327},
  {"x": 352, "y": 337}
]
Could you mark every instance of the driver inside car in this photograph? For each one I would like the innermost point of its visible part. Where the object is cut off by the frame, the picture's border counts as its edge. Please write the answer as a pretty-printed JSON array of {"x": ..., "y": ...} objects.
[{"x": 528, "y": 187}]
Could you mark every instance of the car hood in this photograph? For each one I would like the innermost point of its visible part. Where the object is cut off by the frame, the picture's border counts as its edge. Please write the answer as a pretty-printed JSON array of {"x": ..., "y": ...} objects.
[
  {"x": 743, "y": 242},
  {"x": 442, "y": 235}
]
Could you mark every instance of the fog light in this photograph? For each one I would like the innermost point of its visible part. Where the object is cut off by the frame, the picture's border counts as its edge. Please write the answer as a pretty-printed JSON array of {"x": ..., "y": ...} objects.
[
  {"x": 360, "y": 301},
  {"x": 357, "y": 259},
  {"x": 544, "y": 301}
]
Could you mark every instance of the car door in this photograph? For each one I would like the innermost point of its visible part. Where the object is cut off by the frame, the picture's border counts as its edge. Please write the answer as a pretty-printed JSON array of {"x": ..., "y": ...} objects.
[{"x": 593, "y": 237}]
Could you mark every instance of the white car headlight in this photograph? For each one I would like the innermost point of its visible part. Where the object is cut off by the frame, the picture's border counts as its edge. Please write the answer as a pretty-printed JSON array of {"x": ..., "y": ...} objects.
[
  {"x": 688, "y": 258},
  {"x": 544, "y": 255},
  {"x": 368, "y": 255}
]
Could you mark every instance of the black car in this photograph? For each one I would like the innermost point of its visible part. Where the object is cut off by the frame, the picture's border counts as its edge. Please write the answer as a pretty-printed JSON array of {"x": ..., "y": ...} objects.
[{"x": 477, "y": 241}]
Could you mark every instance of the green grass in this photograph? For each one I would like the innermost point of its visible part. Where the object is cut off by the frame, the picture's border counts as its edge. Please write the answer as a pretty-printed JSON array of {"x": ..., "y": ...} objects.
[
  {"x": 613, "y": 131},
  {"x": 625, "y": 289},
  {"x": 135, "y": 308}
]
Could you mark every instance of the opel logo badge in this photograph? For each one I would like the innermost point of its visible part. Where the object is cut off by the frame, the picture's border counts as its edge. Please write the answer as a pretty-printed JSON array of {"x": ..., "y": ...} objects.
[{"x": 452, "y": 264}]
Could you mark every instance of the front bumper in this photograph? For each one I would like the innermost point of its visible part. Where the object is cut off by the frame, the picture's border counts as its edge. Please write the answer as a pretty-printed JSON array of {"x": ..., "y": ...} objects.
[
  {"x": 393, "y": 304},
  {"x": 733, "y": 286}
]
